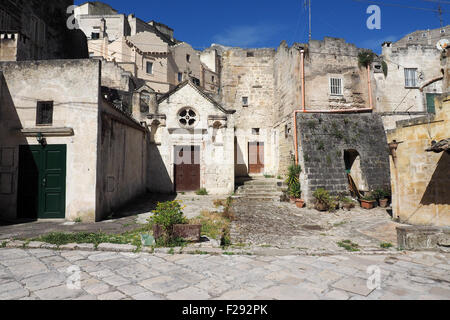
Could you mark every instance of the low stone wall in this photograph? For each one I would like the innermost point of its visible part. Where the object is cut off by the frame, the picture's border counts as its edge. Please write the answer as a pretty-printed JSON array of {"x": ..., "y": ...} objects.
[{"x": 422, "y": 238}]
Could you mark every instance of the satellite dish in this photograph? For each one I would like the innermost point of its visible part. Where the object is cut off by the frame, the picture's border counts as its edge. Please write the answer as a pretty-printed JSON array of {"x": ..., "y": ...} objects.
[{"x": 443, "y": 44}]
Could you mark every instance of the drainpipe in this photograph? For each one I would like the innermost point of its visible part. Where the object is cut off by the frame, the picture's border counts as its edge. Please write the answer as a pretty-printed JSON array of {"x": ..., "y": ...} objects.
[
  {"x": 303, "y": 110},
  {"x": 370, "y": 87}
]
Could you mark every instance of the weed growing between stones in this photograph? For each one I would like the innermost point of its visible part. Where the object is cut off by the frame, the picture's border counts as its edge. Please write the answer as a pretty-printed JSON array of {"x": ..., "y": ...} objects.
[
  {"x": 348, "y": 245},
  {"x": 60, "y": 238},
  {"x": 201, "y": 192},
  {"x": 386, "y": 245}
]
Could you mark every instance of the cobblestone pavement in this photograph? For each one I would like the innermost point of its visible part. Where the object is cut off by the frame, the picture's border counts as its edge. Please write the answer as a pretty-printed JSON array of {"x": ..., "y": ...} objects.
[
  {"x": 48, "y": 274},
  {"x": 283, "y": 225}
]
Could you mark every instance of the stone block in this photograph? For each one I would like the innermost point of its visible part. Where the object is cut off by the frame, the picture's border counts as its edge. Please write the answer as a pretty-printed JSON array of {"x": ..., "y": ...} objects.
[
  {"x": 418, "y": 237},
  {"x": 186, "y": 231},
  {"x": 116, "y": 247}
]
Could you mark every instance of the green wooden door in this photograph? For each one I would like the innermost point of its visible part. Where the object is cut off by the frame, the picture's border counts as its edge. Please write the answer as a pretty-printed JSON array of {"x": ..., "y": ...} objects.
[
  {"x": 430, "y": 102},
  {"x": 42, "y": 182}
]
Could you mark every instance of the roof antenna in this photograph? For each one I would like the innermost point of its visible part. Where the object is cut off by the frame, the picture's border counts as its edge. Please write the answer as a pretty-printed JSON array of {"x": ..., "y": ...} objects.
[
  {"x": 310, "y": 31},
  {"x": 440, "y": 12}
]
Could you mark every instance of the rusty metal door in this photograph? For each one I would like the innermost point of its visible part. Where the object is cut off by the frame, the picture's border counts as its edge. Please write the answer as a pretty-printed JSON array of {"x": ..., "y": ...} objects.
[
  {"x": 255, "y": 157},
  {"x": 187, "y": 168}
]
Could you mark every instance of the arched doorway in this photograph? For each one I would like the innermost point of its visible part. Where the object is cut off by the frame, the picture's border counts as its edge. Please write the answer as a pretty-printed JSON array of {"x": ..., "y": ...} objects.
[{"x": 352, "y": 161}]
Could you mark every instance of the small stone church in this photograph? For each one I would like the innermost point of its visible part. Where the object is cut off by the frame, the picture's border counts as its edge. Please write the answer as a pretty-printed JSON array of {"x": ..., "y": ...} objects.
[{"x": 192, "y": 141}]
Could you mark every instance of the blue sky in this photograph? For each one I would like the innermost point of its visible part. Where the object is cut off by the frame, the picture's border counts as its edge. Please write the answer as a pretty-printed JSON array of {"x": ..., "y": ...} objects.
[{"x": 263, "y": 23}]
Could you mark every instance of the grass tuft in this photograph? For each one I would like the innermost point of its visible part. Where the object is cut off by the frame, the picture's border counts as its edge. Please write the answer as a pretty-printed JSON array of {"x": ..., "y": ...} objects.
[{"x": 348, "y": 245}]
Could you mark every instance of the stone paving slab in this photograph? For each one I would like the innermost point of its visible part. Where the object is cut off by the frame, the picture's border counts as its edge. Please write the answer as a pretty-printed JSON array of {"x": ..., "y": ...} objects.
[
  {"x": 164, "y": 276},
  {"x": 284, "y": 226}
]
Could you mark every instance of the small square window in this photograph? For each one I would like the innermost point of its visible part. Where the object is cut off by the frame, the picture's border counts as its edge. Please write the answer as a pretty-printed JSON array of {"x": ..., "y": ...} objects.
[
  {"x": 212, "y": 78},
  {"x": 44, "y": 113},
  {"x": 188, "y": 58},
  {"x": 245, "y": 101},
  {"x": 250, "y": 54},
  {"x": 95, "y": 36},
  {"x": 443, "y": 31},
  {"x": 336, "y": 87},
  {"x": 180, "y": 77},
  {"x": 149, "y": 67},
  {"x": 255, "y": 131}
]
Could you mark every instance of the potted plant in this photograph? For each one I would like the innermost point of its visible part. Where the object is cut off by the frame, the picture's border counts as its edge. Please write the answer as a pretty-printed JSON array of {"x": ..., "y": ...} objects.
[
  {"x": 324, "y": 201},
  {"x": 368, "y": 202},
  {"x": 347, "y": 203},
  {"x": 169, "y": 224},
  {"x": 383, "y": 197},
  {"x": 296, "y": 193},
  {"x": 293, "y": 182}
]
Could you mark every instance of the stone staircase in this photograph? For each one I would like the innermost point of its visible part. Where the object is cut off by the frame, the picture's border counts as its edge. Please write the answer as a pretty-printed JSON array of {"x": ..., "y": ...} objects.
[{"x": 261, "y": 189}]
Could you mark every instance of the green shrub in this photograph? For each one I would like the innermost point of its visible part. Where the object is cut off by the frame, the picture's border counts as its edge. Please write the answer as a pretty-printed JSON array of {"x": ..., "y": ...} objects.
[
  {"x": 295, "y": 190},
  {"x": 168, "y": 214},
  {"x": 381, "y": 194},
  {"x": 365, "y": 58},
  {"x": 293, "y": 174},
  {"x": 201, "y": 192}
]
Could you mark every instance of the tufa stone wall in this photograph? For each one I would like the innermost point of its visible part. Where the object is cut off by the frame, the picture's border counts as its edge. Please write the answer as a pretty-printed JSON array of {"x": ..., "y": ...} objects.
[{"x": 323, "y": 140}]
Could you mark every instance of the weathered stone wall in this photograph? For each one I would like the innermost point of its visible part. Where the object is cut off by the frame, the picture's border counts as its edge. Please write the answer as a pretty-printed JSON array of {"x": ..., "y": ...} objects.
[
  {"x": 323, "y": 139},
  {"x": 250, "y": 75},
  {"x": 420, "y": 180},
  {"x": 122, "y": 163},
  {"x": 192, "y": 68},
  {"x": 333, "y": 57}
]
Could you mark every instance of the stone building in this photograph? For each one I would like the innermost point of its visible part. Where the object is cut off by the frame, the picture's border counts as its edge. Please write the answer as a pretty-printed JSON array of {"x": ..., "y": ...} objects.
[
  {"x": 333, "y": 82},
  {"x": 37, "y": 30},
  {"x": 148, "y": 50},
  {"x": 67, "y": 149},
  {"x": 247, "y": 86},
  {"x": 420, "y": 166},
  {"x": 192, "y": 142},
  {"x": 413, "y": 76}
]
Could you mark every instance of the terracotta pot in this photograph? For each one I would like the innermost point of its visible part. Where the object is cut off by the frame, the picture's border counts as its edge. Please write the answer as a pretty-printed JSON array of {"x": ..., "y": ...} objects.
[
  {"x": 300, "y": 203},
  {"x": 367, "y": 204},
  {"x": 384, "y": 203},
  {"x": 321, "y": 207}
]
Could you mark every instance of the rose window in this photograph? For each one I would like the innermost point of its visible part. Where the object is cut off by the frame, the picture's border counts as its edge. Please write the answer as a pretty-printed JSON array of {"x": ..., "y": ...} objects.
[{"x": 187, "y": 117}]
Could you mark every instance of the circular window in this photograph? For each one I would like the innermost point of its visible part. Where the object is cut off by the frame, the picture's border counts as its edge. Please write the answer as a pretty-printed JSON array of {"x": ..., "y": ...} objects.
[{"x": 187, "y": 117}]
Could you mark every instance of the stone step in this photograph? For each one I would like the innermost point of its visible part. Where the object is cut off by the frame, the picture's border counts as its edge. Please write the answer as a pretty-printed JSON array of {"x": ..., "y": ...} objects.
[
  {"x": 263, "y": 182},
  {"x": 267, "y": 189},
  {"x": 261, "y": 196},
  {"x": 258, "y": 198}
]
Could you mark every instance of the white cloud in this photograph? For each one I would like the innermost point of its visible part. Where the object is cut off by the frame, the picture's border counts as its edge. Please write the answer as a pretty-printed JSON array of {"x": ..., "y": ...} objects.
[{"x": 247, "y": 36}]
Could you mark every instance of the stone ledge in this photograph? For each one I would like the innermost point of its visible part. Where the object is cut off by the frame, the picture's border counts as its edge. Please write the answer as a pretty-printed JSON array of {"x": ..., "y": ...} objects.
[
  {"x": 422, "y": 237},
  {"x": 116, "y": 247},
  {"x": 257, "y": 251}
]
